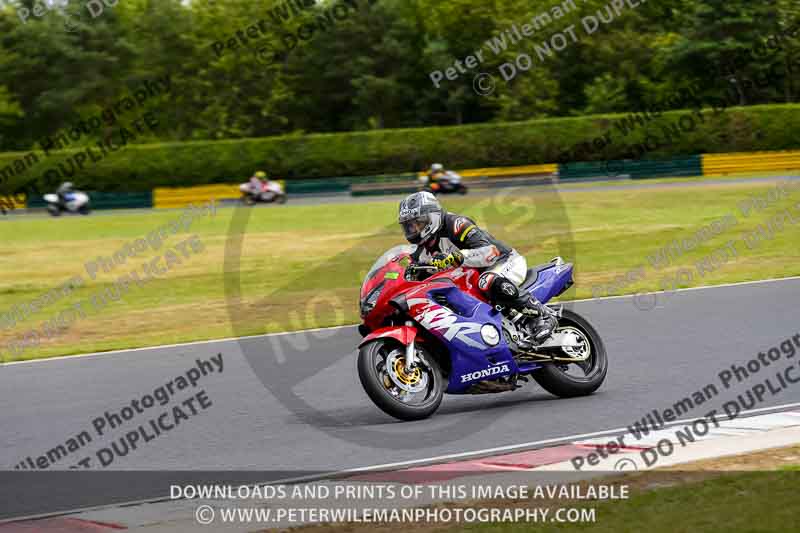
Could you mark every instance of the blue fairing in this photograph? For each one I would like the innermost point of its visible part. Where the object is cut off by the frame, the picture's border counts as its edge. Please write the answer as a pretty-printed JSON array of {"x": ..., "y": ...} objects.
[
  {"x": 469, "y": 353},
  {"x": 551, "y": 282},
  {"x": 472, "y": 359}
]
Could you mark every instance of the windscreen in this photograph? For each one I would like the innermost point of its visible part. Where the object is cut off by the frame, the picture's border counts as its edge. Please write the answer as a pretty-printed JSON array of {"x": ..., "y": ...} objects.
[{"x": 387, "y": 256}]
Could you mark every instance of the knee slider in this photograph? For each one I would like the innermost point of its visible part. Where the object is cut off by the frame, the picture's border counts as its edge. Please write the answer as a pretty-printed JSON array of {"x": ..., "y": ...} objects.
[{"x": 500, "y": 289}]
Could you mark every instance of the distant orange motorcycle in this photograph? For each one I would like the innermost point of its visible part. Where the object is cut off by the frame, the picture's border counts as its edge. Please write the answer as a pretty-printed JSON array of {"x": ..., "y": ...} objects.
[{"x": 447, "y": 182}]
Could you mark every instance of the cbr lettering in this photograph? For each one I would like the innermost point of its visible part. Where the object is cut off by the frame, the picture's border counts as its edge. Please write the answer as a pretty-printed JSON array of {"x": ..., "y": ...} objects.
[{"x": 433, "y": 316}]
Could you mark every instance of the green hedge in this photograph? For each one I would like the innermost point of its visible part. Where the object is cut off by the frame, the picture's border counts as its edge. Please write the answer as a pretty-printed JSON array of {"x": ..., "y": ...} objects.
[{"x": 408, "y": 150}]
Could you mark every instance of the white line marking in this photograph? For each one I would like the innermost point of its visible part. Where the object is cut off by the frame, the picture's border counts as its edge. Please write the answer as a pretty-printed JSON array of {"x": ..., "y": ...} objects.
[
  {"x": 732, "y": 284},
  {"x": 536, "y": 444},
  {"x": 179, "y": 345},
  {"x": 331, "y": 328}
]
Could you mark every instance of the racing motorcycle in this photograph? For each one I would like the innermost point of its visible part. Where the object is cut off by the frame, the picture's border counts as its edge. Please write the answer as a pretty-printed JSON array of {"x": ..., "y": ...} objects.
[
  {"x": 273, "y": 192},
  {"x": 73, "y": 202},
  {"x": 428, "y": 332},
  {"x": 447, "y": 183}
]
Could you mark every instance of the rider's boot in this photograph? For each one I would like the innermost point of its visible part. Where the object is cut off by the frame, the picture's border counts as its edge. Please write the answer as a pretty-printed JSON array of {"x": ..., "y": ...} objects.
[{"x": 544, "y": 319}]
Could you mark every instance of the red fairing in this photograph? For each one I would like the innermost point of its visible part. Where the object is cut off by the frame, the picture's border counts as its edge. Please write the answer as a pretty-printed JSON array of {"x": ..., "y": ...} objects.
[
  {"x": 391, "y": 277},
  {"x": 403, "y": 334}
]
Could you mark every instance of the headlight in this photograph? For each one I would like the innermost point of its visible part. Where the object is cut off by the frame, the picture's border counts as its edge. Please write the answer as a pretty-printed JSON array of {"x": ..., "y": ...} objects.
[
  {"x": 490, "y": 335},
  {"x": 369, "y": 304}
]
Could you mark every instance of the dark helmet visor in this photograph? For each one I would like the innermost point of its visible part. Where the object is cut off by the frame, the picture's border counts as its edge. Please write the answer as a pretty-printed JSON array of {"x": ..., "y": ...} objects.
[{"x": 413, "y": 228}]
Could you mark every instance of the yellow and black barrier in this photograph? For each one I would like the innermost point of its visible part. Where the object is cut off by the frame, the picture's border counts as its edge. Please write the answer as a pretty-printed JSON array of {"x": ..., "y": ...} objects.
[
  {"x": 171, "y": 197},
  {"x": 716, "y": 164}
]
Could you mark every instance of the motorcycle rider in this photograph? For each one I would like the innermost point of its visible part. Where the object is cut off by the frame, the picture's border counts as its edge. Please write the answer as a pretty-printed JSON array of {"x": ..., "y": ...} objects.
[
  {"x": 258, "y": 183},
  {"x": 435, "y": 173},
  {"x": 436, "y": 170},
  {"x": 63, "y": 190},
  {"x": 447, "y": 240}
]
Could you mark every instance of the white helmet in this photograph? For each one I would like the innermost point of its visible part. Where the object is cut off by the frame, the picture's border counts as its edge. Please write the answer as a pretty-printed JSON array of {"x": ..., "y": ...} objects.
[
  {"x": 421, "y": 216},
  {"x": 437, "y": 167}
]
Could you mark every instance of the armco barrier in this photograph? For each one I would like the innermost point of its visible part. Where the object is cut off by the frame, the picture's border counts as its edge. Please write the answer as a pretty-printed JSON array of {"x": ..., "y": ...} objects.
[
  {"x": 107, "y": 200},
  {"x": 502, "y": 172},
  {"x": 715, "y": 164},
  {"x": 636, "y": 169},
  {"x": 505, "y": 172},
  {"x": 336, "y": 185},
  {"x": 12, "y": 202},
  {"x": 164, "y": 197}
]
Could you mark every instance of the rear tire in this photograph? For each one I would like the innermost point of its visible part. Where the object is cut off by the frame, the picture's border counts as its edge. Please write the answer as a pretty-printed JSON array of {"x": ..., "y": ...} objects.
[
  {"x": 373, "y": 381},
  {"x": 556, "y": 381}
]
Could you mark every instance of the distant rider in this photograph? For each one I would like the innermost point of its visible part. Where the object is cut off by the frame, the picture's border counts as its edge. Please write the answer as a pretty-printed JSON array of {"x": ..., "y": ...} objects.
[
  {"x": 447, "y": 240},
  {"x": 63, "y": 190},
  {"x": 435, "y": 174},
  {"x": 258, "y": 183}
]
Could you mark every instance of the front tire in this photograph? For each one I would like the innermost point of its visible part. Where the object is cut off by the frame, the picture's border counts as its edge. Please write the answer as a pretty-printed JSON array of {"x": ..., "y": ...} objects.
[
  {"x": 54, "y": 210},
  {"x": 555, "y": 377},
  {"x": 281, "y": 199},
  {"x": 376, "y": 364}
]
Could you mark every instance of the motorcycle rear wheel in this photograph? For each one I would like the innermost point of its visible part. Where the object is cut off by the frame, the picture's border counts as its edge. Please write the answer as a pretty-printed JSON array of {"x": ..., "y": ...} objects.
[
  {"x": 555, "y": 378},
  {"x": 377, "y": 360}
]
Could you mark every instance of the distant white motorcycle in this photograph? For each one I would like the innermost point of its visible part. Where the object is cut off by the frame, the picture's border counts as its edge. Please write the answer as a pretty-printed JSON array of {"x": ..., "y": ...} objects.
[
  {"x": 74, "y": 202},
  {"x": 273, "y": 192}
]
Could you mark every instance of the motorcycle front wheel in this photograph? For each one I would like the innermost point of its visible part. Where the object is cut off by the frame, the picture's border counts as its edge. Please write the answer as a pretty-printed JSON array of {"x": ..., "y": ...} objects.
[{"x": 405, "y": 395}]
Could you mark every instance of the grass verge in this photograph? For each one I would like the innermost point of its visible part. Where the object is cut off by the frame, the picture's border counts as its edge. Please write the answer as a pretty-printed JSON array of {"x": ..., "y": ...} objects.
[{"x": 291, "y": 255}]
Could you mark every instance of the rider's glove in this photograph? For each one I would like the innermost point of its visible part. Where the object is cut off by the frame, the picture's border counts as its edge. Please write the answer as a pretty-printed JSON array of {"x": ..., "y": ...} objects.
[{"x": 442, "y": 261}]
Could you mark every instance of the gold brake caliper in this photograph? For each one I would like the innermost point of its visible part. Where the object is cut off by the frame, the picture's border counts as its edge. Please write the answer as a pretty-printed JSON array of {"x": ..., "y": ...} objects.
[{"x": 400, "y": 371}]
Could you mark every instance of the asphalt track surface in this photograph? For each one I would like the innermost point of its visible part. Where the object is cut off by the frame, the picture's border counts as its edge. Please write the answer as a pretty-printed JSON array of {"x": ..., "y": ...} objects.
[{"x": 656, "y": 358}]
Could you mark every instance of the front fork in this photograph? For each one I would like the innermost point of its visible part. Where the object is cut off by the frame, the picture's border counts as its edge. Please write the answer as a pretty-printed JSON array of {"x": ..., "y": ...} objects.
[{"x": 411, "y": 352}]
